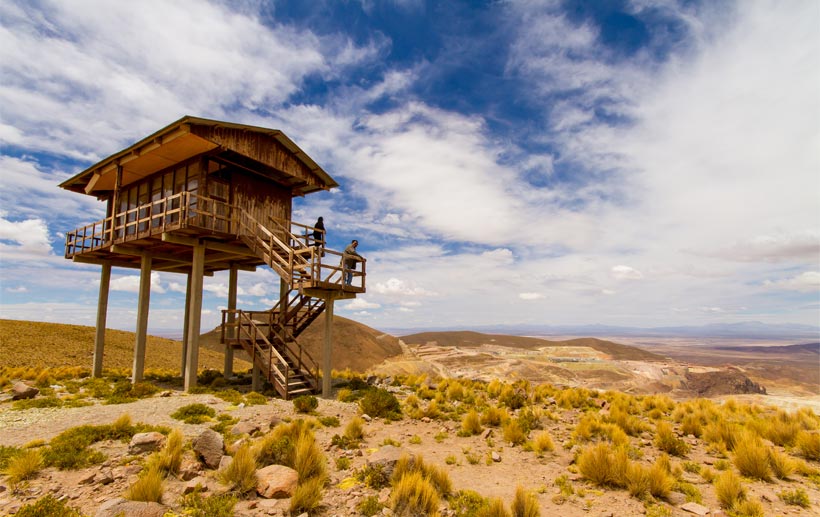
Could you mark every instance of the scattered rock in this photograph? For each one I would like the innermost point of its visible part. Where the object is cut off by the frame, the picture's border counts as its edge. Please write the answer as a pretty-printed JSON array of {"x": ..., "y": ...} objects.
[
  {"x": 21, "y": 391},
  {"x": 386, "y": 457},
  {"x": 695, "y": 508},
  {"x": 146, "y": 442},
  {"x": 199, "y": 483},
  {"x": 487, "y": 433},
  {"x": 274, "y": 421},
  {"x": 276, "y": 481},
  {"x": 209, "y": 446},
  {"x": 366, "y": 417},
  {"x": 104, "y": 477},
  {"x": 676, "y": 498},
  {"x": 244, "y": 427},
  {"x": 225, "y": 462},
  {"x": 495, "y": 456},
  {"x": 123, "y": 508}
]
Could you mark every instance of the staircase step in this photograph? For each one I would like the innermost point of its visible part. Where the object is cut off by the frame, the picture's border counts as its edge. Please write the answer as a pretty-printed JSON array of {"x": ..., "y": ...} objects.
[{"x": 292, "y": 393}]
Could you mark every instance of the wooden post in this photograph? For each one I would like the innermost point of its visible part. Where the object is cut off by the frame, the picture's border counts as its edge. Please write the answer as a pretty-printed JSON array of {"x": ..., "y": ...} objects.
[
  {"x": 142, "y": 318},
  {"x": 194, "y": 316},
  {"x": 256, "y": 378},
  {"x": 327, "y": 351},
  {"x": 185, "y": 320},
  {"x": 232, "y": 277},
  {"x": 102, "y": 312}
]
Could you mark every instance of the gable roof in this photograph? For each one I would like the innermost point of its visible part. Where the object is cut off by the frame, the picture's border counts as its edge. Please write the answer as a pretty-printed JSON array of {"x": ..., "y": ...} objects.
[{"x": 271, "y": 153}]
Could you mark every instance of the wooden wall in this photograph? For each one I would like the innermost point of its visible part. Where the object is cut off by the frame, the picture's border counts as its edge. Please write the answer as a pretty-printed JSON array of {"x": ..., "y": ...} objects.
[
  {"x": 260, "y": 198},
  {"x": 260, "y": 147}
]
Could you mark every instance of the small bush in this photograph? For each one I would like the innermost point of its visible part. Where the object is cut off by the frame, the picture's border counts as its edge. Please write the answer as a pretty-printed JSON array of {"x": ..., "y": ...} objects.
[
  {"x": 748, "y": 508},
  {"x": 525, "y": 504},
  {"x": 369, "y": 506},
  {"x": 666, "y": 440},
  {"x": 751, "y": 457},
  {"x": 495, "y": 508},
  {"x": 512, "y": 398},
  {"x": 380, "y": 403},
  {"x": 542, "y": 443},
  {"x": 513, "y": 433},
  {"x": 240, "y": 475},
  {"x": 604, "y": 466},
  {"x": 660, "y": 480},
  {"x": 781, "y": 464},
  {"x": 149, "y": 487},
  {"x": 355, "y": 429},
  {"x": 309, "y": 461},
  {"x": 48, "y": 506},
  {"x": 194, "y": 413},
  {"x": 23, "y": 466},
  {"x": 305, "y": 403},
  {"x": 468, "y": 503},
  {"x": 255, "y": 399},
  {"x": 796, "y": 497},
  {"x": 494, "y": 416},
  {"x": 413, "y": 494},
  {"x": 372, "y": 475},
  {"x": 217, "y": 505},
  {"x": 307, "y": 497},
  {"x": 342, "y": 463},
  {"x": 169, "y": 458},
  {"x": 729, "y": 490},
  {"x": 330, "y": 421},
  {"x": 808, "y": 444},
  {"x": 471, "y": 423}
]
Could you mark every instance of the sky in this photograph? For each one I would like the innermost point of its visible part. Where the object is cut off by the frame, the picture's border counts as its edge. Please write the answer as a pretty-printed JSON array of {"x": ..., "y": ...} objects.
[{"x": 637, "y": 163}]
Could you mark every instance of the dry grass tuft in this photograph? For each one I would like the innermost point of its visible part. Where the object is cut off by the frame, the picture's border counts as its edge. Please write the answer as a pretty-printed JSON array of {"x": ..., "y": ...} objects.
[
  {"x": 148, "y": 488},
  {"x": 525, "y": 504},
  {"x": 542, "y": 443},
  {"x": 413, "y": 494},
  {"x": 25, "y": 465},
  {"x": 667, "y": 441},
  {"x": 471, "y": 423},
  {"x": 729, "y": 490},
  {"x": 307, "y": 497},
  {"x": 808, "y": 443},
  {"x": 240, "y": 475},
  {"x": 751, "y": 456}
]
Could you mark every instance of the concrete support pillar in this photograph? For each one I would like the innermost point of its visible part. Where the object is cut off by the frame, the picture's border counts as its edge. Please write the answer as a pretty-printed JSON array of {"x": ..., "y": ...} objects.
[
  {"x": 232, "y": 278},
  {"x": 185, "y": 325},
  {"x": 328, "y": 348},
  {"x": 142, "y": 318},
  {"x": 102, "y": 313},
  {"x": 194, "y": 316}
]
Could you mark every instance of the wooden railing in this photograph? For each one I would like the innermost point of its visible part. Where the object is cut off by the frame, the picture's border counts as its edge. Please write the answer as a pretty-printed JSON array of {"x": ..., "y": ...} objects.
[{"x": 251, "y": 327}]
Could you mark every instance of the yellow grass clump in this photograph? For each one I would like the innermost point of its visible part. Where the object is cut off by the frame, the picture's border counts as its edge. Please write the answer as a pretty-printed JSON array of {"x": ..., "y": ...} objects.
[
  {"x": 808, "y": 444},
  {"x": 148, "y": 488},
  {"x": 494, "y": 416},
  {"x": 240, "y": 474},
  {"x": 169, "y": 459},
  {"x": 751, "y": 456},
  {"x": 667, "y": 441},
  {"x": 542, "y": 442},
  {"x": 23, "y": 466},
  {"x": 524, "y": 504},
  {"x": 729, "y": 490},
  {"x": 354, "y": 430},
  {"x": 413, "y": 494},
  {"x": 307, "y": 497}
]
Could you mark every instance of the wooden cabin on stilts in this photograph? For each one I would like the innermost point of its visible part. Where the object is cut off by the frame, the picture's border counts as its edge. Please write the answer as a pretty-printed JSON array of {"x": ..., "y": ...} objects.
[{"x": 201, "y": 196}]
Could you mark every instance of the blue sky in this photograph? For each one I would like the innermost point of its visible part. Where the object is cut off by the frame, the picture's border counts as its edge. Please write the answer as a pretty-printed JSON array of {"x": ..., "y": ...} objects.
[{"x": 637, "y": 163}]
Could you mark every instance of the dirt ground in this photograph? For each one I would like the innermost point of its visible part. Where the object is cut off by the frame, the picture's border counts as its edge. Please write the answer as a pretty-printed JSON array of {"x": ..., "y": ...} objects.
[{"x": 438, "y": 441}]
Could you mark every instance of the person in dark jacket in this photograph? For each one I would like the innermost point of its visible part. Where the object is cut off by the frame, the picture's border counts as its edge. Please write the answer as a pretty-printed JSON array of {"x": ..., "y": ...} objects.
[
  {"x": 319, "y": 235},
  {"x": 350, "y": 259}
]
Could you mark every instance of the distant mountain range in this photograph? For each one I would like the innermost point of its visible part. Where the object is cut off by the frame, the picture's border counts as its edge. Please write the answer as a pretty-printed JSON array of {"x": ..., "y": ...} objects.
[{"x": 742, "y": 330}]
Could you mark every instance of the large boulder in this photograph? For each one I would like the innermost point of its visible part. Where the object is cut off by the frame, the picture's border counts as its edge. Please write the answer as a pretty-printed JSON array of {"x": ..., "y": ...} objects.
[
  {"x": 276, "y": 481},
  {"x": 386, "y": 458},
  {"x": 146, "y": 442},
  {"x": 209, "y": 446},
  {"x": 21, "y": 391}
]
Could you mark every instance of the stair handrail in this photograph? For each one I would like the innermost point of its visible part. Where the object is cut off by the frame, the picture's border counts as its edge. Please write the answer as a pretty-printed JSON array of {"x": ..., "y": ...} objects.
[{"x": 244, "y": 317}]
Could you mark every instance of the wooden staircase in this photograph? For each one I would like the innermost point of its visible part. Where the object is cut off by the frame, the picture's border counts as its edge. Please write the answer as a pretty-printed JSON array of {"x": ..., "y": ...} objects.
[{"x": 270, "y": 337}]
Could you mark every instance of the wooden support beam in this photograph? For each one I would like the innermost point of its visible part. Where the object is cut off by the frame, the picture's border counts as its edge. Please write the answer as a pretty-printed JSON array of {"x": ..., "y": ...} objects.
[
  {"x": 101, "y": 262},
  {"x": 142, "y": 319},
  {"x": 242, "y": 251},
  {"x": 121, "y": 249},
  {"x": 194, "y": 317},
  {"x": 102, "y": 312},
  {"x": 232, "y": 287}
]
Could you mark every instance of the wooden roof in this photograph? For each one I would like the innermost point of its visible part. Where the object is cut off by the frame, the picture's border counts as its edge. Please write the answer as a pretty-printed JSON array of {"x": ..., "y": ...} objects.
[{"x": 267, "y": 152}]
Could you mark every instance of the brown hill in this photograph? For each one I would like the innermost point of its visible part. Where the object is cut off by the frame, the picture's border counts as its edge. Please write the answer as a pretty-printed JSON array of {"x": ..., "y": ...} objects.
[
  {"x": 469, "y": 339},
  {"x": 355, "y": 346},
  {"x": 38, "y": 344}
]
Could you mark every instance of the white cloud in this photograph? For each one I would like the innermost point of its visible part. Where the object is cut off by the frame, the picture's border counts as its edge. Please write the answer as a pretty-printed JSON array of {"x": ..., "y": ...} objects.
[
  {"x": 19, "y": 289},
  {"x": 24, "y": 240},
  {"x": 359, "y": 304},
  {"x": 808, "y": 281},
  {"x": 622, "y": 272},
  {"x": 530, "y": 296},
  {"x": 397, "y": 287},
  {"x": 131, "y": 283}
]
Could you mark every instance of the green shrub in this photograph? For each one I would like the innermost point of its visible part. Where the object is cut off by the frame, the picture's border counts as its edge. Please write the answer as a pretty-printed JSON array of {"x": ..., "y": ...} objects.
[
  {"x": 796, "y": 497},
  {"x": 194, "y": 413},
  {"x": 39, "y": 402},
  {"x": 468, "y": 503},
  {"x": 305, "y": 403},
  {"x": 372, "y": 475},
  {"x": 255, "y": 399},
  {"x": 48, "y": 506},
  {"x": 380, "y": 403},
  {"x": 6, "y": 454},
  {"x": 369, "y": 506},
  {"x": 330, "y": 421},
  {"x": 217, "y": 505},
  {"x": 666, "y": 440}
]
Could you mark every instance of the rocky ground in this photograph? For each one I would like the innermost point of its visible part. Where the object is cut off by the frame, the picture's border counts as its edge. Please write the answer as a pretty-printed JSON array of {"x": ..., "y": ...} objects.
[{"x": 500, "y": 469}]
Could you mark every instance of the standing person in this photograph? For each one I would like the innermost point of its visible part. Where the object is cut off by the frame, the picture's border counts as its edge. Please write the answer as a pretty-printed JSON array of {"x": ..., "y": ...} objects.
[
  {"x": 319, "y": 235},
  {"x": 350, "y": 258}
]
